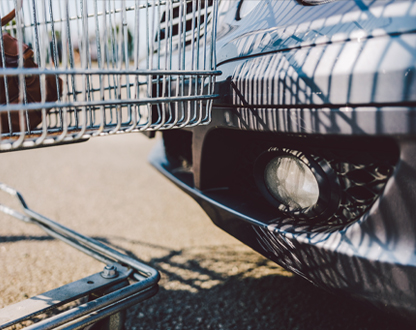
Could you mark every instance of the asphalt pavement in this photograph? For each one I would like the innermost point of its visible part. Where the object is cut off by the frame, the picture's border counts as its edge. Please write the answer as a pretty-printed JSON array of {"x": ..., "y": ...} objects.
[{"x": 106, "y": 189}]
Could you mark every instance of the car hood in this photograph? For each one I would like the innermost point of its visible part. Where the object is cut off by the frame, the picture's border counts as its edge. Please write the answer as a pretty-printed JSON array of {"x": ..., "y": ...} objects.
[{"x": 282, "y": 25}]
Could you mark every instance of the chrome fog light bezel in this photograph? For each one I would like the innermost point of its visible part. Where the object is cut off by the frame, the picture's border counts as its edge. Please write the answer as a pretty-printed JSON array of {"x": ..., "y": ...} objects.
[{"x": 329, "y": 191}]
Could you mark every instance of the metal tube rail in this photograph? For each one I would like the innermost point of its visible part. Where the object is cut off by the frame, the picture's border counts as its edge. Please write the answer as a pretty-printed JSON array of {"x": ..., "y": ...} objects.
[
  {"x": 105, "y": 312},
  {"x": 93, "y": 306},
  {"x": 139, "y": 72},
  {"x": 147, "y": 280},
  {"x": 92, "y": 244},
  {"x": 79, "y": 104}
]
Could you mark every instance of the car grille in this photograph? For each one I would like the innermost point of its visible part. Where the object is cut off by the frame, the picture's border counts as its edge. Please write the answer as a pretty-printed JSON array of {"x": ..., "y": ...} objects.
[
  {"x": 175, "y": 21},
  {"x": 362, "y": 176},
  {"x": 361, "y": 169}
]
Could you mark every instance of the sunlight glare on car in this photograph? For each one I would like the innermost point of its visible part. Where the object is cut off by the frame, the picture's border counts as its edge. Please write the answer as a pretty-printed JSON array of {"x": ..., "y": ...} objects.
[{"x": 247, "y": 6}]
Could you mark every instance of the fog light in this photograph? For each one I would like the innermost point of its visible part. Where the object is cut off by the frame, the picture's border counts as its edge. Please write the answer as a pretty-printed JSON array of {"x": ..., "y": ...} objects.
[
  {"x": 291, "y": 182},
  {"x": 296, "y": 184}
]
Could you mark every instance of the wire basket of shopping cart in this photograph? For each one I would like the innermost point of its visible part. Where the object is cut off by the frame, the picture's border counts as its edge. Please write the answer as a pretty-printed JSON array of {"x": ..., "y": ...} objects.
[
  {"x": 70, "y": 70},
  {"x": 75, "y": 69}
]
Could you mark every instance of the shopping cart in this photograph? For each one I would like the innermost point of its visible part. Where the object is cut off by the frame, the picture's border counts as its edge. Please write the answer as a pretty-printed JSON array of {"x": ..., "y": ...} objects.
[{"x": 89, "y": 68}]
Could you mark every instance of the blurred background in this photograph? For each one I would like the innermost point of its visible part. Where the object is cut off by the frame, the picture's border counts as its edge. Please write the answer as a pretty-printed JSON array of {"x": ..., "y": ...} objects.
[{"x": 112, "y": 27}]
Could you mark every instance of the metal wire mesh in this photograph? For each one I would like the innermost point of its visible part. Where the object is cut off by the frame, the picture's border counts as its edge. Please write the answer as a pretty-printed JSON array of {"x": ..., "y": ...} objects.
[{"x": 104, "y": 67}]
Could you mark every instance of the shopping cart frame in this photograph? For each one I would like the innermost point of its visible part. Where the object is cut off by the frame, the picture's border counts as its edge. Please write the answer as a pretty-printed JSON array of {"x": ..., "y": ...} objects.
[
  {"x": 118, "y": 267},
  {"x": 180, "y": 95}
]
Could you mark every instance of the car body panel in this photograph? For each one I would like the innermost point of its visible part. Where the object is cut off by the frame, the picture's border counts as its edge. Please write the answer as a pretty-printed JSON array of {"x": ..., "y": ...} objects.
[
  {"x": 341, "y": 71},
  {"x": 289, "y": 25}
]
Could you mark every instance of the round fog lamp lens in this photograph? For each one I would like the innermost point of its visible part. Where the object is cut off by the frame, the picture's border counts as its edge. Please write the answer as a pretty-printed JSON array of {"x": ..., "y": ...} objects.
[{"x": 291, "y": 182}]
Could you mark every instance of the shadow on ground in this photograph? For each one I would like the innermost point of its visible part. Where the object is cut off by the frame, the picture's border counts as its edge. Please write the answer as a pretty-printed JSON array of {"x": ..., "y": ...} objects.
[
  {"x": 229, "y": 287},
  {"x": 232, "y": 287}
]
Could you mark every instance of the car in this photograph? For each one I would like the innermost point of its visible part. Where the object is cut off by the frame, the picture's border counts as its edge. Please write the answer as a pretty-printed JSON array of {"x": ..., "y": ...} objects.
[{"x": 310, "y": 155}]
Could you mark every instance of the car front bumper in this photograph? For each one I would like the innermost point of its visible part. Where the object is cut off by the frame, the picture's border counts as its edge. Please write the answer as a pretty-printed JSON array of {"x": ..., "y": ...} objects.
[
  {"x": 346, "y": 94},
  {"x": 372, "y": 258}
]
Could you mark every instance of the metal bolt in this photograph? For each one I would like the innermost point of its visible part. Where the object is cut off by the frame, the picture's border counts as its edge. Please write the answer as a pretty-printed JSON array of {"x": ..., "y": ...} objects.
[{"x": 109, "y": 271}]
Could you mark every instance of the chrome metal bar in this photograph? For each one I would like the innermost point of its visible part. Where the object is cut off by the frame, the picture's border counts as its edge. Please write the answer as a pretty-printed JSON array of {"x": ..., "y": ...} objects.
[
  {"x": 39, "y": 304},
  {"x": 31, "y": 72},
  {"x": 34, "y": 106},
  {"x": 105, "y": 312},
  {"x": 22, "y": 86},
  {"x": 88, "y": 251},
  {"x": 148, "y": 276},
  {"x": 92, "y": 306}
]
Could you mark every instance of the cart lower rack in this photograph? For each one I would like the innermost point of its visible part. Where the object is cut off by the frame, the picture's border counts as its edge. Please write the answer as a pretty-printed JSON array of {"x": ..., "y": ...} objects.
[
  {"x": 118, "y": 270},
  {"x": 73, "y": 70}
]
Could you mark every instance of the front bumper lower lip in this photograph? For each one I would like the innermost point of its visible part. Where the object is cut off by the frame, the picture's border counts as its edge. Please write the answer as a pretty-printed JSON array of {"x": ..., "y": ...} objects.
[{"x": 328, "y": 260}]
